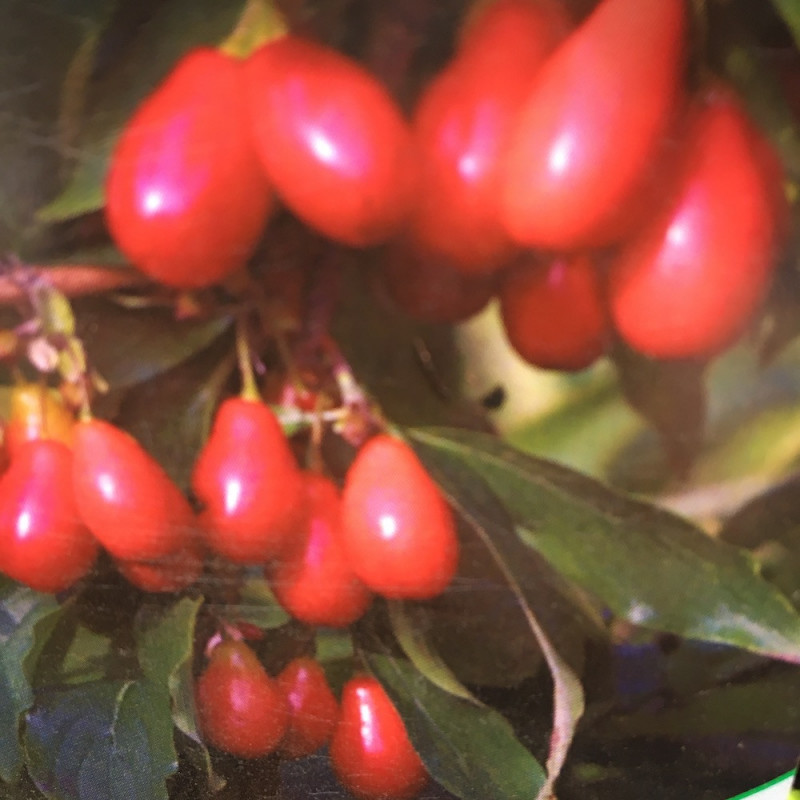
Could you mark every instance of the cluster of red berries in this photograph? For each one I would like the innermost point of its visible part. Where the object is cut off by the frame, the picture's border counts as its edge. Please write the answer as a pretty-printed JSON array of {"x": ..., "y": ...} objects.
[
  {"x": 73, "y": 484},
  {"x": 245, "y": 712},
  {"x": 565, "y": 168}
]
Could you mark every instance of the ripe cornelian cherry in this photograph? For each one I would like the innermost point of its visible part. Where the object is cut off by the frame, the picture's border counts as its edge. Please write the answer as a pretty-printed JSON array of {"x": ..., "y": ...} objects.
[
  {"x": 429, "y": 288},
  {"x": 240, "y": 708},
  {"x": 313, "y": 579},
  {"x": 171, "y": 573},
  {"x": 124, "y": 496},
  {"x": 582, "y": 153},
  {"x": 332, "y": 141},
  {"x": 186, "y": 200},
  {"x": 313, "y": 709},
  {"x": 462, "y": 127},
  {"x": 43, "y": 543},
  {"x": 690, "y": 280},
  {"x": 370, "y": 751},
  {"x": 37, "y": 412},
  {"x": 249, "y": 482},
  {"x": 399, "y": 532},
  {"x": 554, "y": 311}
]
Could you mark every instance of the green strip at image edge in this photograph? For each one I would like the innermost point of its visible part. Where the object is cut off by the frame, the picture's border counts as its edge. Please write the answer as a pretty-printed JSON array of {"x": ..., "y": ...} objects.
[{"x": 784, "y": 787}]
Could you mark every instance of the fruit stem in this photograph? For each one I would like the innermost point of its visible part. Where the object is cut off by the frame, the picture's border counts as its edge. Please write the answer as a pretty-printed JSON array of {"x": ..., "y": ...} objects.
[
  {"x": 259, "y": 23},
  {"x": 249, "y": 384}
]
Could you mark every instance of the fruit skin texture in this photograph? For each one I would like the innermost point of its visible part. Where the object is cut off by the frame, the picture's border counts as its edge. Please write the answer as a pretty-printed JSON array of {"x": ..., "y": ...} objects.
[
  {"x": 249, "y": 482},
  {"x": 186, "y": 200},
  {"x": 399, "y": 533},
  {"x": 370, "y": 752},
  {"x": 124, "y": 496},
  {"x": 462, "y": 126},
  {"x": 313, "y": 579},
  {"x": 331, "y": 140},
  {"x": 240, "y": 708},
  {"x": 313, "y": 709},
  {"x": 580, "y": 160},
  {"x": 429, "y": 287},
  {"x": 37, "y": 412},
  {"x": 554, "y": 311},
  {"x": 689, "y": 281},
  {"x": 43, "y": 543}
]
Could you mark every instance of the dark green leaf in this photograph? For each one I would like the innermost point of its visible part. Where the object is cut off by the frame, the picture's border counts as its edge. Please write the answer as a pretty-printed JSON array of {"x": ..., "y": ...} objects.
[
  {"x": 177, "y": 26},
  {"x": 468, "y": 748},
  {"x": 102, "y": 741},
  {"x": 171, "y": 415},
  {"x": 257, "y": 605},
  {"x": 87, "y": 658},
  {"x": 27, "y": 619},
  {"x": 130, "y": 347},
  {"x": 647, "y": 565},
  {"x": 790, "y": 11}
]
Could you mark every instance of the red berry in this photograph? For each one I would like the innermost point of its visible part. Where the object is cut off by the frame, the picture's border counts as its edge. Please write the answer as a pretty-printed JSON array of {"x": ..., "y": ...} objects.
[
  {"x": 171, "y": 573},
  {"x": 370, "y": 751},
  {"x": 240, "y": 708},
  {"x": 124, "y": 496},
  {"x": 249, "y": 482},
  {"x": 554, "y": 312},
  {"x": 313, "y": 580},
  {"x": 37, "y": 412},
  {"x": 313, "y": 710},
  {"x": 598, "y": 114},
  {"x": 186, "y": 198},
  {"x": 331, "y": 140},
  {"x": 431, "y": 289},
  {"x": 43, "y": 543},
  {"x": 462, "y": 126},
  {"x": 690, "y": 280},
  {"x": 399, "y": 533}
]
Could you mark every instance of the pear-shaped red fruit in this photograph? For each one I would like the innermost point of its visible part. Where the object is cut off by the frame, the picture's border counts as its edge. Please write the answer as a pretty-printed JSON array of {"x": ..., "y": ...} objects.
[
  {"x": 124, "y": 496},
  {"x": 583, "y": 150},
  {"x": 249, "y": 482},
  {"x": 399, "y": 532},
  {"x": 688, "y": 282},
  {"x": 313, "y": 579},
  {"x": 371, "y": 753},
  {"x": 462, "y": 125},
  {"x": 43, "y": 543},
  {"x": 313, "y": 709},
  {"x": 240, "y": 708},
  {"x": 331, "y": 139},
  {"x": 554, "y": 311},
  {"x": 186, "y": 199}
]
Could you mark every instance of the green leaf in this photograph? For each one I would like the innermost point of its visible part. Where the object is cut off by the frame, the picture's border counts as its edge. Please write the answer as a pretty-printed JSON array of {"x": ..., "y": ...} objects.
[
  {"x": 790, "y": 11},
  {"x": 257, "y": 605},
  {"x": 27, "y": 619},
  {"x": 130, "y": 347},
  {"x": 87, "y": 657},
  {"x": 468, "y": 748},
  {"x": 645, "y": 564},
  {"x": 102, "y": 741},
  {"x": 176, "y": 27}
]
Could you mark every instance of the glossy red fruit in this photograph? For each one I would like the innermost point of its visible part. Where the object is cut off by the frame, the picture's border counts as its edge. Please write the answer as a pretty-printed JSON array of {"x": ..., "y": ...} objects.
[
  {"x": 554, "y": 311},
  {"x": 690, "y": 280},
  {"x": 371, "y": 753},
  {"x": 124, "y": 496},
  {"x": 399, "y": 533},
  {"x": 37, "y": 412},
  {"x": 43, "y": 543},
  {"x": 462, "y": 127},
  {"x": 429, "y": 288},
  {"x": 313, "y": 709},
  {"x": 590, "y": 132},
  {"x": 240, "y": 708},
  {"x": 249, "y": 482},
  {"x": 172, "y": 573},
  {"x": 186, "y": 200},
  {"x": 313, "y": 579},
  {"x": 331, "y": 140}
]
